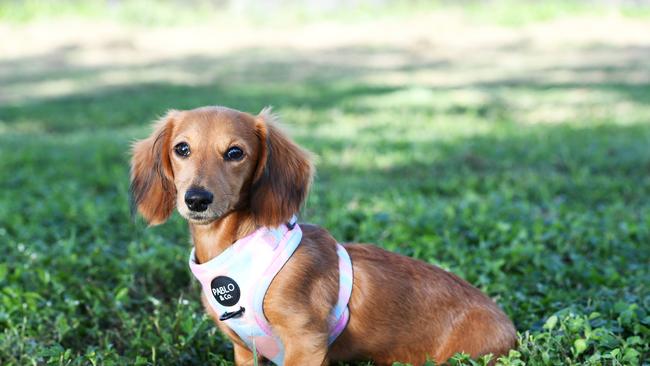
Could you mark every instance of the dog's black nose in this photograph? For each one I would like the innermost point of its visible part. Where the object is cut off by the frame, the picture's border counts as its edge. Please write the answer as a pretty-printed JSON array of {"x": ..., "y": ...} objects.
[{"x": 198, "y": 199}]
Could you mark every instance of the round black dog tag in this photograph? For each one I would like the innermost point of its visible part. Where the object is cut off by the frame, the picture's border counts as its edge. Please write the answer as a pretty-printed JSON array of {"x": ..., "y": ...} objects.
[{"x": 225, "y": 290}]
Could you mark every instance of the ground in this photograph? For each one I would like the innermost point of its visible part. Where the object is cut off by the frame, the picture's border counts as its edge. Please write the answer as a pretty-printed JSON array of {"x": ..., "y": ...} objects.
[{"x": 514, "y": 155}]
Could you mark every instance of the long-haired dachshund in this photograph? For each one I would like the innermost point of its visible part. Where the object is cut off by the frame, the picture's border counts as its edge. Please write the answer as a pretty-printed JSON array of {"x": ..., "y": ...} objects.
[{"x": 290, "y": 293}]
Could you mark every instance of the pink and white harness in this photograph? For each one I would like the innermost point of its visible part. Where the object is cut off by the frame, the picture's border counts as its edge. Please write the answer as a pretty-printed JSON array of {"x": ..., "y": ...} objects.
[{"x": 236, "y": 281}]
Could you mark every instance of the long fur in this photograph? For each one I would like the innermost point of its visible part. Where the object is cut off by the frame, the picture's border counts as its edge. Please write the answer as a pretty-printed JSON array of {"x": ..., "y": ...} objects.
[
  {"x": 283, "y": 175},
  {"x": 152, "y": 188},
  {"x": 401, "y": 309}
]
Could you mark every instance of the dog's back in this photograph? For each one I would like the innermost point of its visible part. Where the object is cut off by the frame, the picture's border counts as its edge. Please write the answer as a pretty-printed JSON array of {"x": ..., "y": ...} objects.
[{"x": 406, "y": 310}]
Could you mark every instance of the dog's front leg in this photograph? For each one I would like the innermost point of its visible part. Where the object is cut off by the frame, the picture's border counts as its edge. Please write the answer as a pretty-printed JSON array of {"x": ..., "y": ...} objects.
[
  {"x": 298, "y": 354},
  {"x": 304, "y": 348},
  {"x": 244, "y": 356}
]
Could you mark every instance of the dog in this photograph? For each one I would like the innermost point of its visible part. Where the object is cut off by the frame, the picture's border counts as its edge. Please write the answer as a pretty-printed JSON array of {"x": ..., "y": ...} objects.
[{"x": 236, "y": 178}]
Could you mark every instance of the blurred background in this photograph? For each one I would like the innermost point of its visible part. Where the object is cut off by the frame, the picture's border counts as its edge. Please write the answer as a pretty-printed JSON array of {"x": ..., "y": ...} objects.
[{"x": 506, "y": 141}]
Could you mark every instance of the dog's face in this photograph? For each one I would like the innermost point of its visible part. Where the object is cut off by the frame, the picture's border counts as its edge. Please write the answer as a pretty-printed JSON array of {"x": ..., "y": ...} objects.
[
  {"x": 213, "y": 155},
  {"x": 211, "y": 161}
]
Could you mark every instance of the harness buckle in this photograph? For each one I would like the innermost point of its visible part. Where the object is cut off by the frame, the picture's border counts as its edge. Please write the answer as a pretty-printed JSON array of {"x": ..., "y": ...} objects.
[{"x": 232, "y": 314}]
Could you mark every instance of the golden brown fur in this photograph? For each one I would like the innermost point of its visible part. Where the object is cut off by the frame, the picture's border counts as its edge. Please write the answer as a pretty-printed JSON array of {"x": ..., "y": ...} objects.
[{"x": 400, "y": 310}]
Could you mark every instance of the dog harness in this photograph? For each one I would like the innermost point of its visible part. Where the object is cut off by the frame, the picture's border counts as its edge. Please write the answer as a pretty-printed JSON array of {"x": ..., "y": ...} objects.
[{"x": 236, "y": 281}]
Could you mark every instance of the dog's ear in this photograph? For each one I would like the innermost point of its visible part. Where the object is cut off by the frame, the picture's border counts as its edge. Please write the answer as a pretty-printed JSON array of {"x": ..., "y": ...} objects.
[
  {"x": 153, "y": 193},
  {"x": 282, "y": 177}
]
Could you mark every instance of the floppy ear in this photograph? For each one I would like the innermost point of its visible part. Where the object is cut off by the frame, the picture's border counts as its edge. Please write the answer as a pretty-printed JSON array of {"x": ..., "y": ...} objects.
[
  {"x": 152, "y": 187},
  {"x": 282, "y": 177}
]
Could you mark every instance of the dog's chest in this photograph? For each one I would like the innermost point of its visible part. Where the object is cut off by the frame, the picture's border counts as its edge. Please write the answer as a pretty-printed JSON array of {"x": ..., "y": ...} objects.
[{"x": 235, "y": 282}]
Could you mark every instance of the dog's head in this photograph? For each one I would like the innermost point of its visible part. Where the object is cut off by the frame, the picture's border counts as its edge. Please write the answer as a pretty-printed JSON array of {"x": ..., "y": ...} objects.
[{"x": 212, "y": 161}]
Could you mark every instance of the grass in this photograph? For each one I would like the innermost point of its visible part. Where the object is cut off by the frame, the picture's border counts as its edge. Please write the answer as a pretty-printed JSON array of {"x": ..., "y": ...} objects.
[
  {"x": 167, "y": 13},
  {"x": 532, "y": 185}
]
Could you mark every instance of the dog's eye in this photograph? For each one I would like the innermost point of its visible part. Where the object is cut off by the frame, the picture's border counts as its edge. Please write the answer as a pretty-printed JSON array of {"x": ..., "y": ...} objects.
[
  {"x": 182, "y": 149},
  {"x": 233, "y": 154}
]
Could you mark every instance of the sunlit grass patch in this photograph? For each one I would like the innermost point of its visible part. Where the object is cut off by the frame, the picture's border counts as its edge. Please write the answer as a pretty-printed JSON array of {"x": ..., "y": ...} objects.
[{"x": 171, "y": 13}]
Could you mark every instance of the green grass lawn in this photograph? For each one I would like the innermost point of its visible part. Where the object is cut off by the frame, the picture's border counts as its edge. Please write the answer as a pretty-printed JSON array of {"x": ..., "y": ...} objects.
[{"x": 536, "y": 190}]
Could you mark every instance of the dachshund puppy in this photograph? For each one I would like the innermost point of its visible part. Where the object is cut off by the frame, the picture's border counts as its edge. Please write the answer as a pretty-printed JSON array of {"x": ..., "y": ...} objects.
[{"x": 286, "y": 292}]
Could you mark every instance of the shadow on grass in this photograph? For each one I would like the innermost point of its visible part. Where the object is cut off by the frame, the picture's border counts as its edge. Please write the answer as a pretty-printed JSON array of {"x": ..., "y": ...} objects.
[
  {"x": 253, "y": 78},
  {"x": 139, "y": 105}
]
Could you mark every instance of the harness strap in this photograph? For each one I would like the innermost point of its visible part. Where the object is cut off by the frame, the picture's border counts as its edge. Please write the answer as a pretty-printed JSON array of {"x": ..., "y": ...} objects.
[{"x": 341, "y": 313}]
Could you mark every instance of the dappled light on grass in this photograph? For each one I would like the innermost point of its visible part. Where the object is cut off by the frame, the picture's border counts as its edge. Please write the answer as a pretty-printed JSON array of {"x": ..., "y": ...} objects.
[{"x": 515, "y": 157}]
